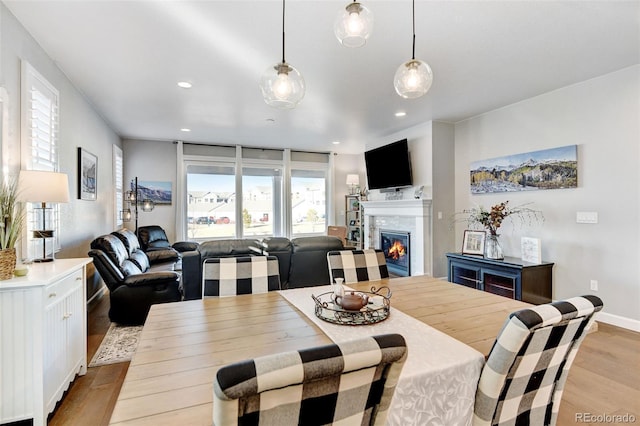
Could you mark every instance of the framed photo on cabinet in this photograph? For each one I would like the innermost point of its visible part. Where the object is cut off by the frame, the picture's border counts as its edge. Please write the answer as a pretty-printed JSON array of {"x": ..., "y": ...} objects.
[{"x": 473, "y": 242}]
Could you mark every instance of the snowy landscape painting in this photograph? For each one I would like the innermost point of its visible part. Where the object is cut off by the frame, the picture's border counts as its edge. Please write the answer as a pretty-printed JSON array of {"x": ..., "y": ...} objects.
[{"x": 547, "y": 169}]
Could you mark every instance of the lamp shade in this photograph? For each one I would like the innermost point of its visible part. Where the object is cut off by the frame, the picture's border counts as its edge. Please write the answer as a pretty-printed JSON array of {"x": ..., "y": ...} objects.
[
  {"x": 43, "y": 187},
  {"x": 353, "y": 180},
  {"x": 282, "y": 86},
  {"x": 413, "y": 79},
  {"x": 353, "y": 25}
]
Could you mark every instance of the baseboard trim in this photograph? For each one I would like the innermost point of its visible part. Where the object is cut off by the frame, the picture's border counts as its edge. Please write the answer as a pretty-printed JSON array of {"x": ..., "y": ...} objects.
[
  {"x": 618, "y": 321},
  {"x": 98, "y": 294}
]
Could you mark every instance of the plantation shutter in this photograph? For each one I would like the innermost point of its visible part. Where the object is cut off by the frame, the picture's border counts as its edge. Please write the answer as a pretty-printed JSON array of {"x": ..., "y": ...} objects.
[
  {"x": 118, "y": 181},
  {"x": 40, "y": 115}
]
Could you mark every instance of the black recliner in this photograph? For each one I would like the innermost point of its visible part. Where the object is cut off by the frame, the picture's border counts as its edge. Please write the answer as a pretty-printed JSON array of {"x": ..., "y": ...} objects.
[
  {"x": 154, "y": 242},
  {"x": 133, "y": 285}
]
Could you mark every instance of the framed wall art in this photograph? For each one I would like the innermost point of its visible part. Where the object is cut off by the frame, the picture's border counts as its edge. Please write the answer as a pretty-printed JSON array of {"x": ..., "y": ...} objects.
[
  {"x": 157, "y": 191},
  {"x": 554, "y": 168},
  {"x": 473, "y": 242},
  {"x": 87, "y": 175}
]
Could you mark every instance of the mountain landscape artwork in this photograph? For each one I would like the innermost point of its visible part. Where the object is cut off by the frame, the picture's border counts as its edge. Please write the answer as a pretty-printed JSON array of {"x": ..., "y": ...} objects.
[
  {"x": 158, "y": 192},
  {"x": 553, "y": 168}
]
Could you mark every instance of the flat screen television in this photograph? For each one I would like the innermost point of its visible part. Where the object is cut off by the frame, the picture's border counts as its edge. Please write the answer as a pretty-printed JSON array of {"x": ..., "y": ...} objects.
[{"x": 389, "y": 166}]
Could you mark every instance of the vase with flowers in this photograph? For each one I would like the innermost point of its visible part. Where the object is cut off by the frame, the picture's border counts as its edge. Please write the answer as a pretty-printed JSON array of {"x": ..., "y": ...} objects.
[
  {"x": 11, "y": 222},
  {"x": 492, "y": 219}
]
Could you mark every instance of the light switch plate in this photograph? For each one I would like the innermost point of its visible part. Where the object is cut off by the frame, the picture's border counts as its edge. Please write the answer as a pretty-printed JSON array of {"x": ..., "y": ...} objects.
[{"x": 587, "y": 217}]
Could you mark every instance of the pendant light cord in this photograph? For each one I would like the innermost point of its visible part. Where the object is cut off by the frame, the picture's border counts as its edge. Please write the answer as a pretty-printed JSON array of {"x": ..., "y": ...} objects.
[
  {"x": 283, "y": 32},
  {"x": 413, "y": 52}
]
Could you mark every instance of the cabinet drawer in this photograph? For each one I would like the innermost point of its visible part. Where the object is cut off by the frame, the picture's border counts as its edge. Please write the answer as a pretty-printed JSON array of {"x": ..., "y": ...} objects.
[{"x": 59, "y": 289}]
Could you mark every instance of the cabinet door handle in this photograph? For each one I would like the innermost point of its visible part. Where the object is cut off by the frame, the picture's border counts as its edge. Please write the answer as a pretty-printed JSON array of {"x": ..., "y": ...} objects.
[
  {"x": 52, "y": 295},
  {"x": 67, "y": 315},
  {"x": 78, "y": 278}
]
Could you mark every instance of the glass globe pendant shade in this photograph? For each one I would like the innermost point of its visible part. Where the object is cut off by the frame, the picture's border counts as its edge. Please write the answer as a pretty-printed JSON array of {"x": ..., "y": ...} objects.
[
  {"x": 282, "y": 86},
  {"x": 413, "y": 79},
  {"x": 353, "y": 25}
]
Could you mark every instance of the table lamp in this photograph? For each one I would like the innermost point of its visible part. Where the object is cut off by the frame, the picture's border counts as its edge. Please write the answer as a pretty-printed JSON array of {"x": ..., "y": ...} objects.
[
  {"x": 353, "y": 181},
  {"x": 37, "y": 186}
]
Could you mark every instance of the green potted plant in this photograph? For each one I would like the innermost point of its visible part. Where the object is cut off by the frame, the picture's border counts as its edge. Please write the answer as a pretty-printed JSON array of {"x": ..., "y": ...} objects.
[{"x": 11, "y": 223}]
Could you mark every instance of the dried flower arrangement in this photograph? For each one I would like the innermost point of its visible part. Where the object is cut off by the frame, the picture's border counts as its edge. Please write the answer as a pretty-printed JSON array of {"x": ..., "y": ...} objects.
[{"x": 492, "y": 219}]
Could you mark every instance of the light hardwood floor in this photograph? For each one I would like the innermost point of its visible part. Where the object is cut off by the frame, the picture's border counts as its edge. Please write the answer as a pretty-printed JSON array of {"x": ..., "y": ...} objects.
[{"x": 604, "y": 379}]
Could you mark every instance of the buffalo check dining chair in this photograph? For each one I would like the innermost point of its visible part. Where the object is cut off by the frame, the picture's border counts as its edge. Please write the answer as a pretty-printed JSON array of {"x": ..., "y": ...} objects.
[
  {"x": 231, "y": 276},
  {"x": 524, "y": 376},
  {"x": 348, "y": 383},
  {"x": 357, "y": 265}
]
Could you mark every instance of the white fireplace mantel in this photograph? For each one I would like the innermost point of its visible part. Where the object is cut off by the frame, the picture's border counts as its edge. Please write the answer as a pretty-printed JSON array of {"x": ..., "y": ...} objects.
[{"x": 413, "y": 216}]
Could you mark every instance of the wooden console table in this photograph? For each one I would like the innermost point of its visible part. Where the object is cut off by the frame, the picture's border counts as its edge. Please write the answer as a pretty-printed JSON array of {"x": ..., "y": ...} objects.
[{"x": 510, "y": 277}]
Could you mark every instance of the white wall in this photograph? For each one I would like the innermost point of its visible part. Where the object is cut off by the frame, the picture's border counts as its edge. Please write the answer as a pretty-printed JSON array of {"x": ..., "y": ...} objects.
[
  {"x": 152, "y": 161},
  {"x": 601, "y": 116},
  {"x": 80, "y": 126}
]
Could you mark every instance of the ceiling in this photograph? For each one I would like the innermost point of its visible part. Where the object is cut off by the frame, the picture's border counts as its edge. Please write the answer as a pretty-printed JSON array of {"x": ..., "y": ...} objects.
[{"x": 127, "y": 57}]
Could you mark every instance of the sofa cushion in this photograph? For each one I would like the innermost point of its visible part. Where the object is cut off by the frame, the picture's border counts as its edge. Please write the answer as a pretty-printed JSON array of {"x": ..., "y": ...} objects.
[
  {"x": 319, "y": 243},
  {"x": 113, "y": 247},
  {"x": 226, "y": 248},
  {"x": 152, "y": 237},
  {"x": 128, "y": 238}
]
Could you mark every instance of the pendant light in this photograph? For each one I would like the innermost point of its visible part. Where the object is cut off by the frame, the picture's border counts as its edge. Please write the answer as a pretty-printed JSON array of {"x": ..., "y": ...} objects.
[
  {"x": 353, "y": 25},
  {"x": 282, "y": 85},
  {"x": 413, "y": 78}
]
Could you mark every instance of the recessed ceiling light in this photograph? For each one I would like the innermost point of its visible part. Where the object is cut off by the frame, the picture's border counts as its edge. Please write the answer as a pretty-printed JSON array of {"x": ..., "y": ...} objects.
[
  {"x": 400, "y": 114},
  {"x": 184, "y": 129},
  {"x": 185, "y": 84},
  {"x": 336, "y": 142}
]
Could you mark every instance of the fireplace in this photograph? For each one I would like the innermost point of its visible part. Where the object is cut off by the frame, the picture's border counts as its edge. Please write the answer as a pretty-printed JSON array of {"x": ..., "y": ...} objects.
[{"x": 396, "y": 245}]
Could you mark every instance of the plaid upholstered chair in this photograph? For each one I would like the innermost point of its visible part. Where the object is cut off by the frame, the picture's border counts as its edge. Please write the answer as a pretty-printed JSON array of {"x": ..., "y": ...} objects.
[
  {"x": 230, "y": 276},
  {"x": 523, "y": 379},
  {"x": 357, "y": 265},
  {"x": 346, "y": 383}
]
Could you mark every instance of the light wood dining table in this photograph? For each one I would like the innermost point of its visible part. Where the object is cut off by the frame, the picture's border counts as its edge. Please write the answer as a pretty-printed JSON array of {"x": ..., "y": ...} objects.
[{"x": 170, "y": 379}]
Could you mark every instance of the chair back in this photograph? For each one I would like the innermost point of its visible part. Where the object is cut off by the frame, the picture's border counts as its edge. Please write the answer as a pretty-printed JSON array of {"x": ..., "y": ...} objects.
[
  {"x": 338, "y": 231},
  {"x": 346, "y": 383},
  {"x": 152, "y": 237},
  {"x": 357, "y": 265},
  {"x": 230, "y": 276},
  {"x": 523, "y": 379}
]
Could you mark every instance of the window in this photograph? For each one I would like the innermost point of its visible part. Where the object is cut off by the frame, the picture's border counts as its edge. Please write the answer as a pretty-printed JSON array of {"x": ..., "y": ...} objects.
[
  {"x": 239, "y": 192},
  {"x": 118, "y": 181},
  {"x": 211, "y": 202},
  {"x": 40, "y": 124},
  {"x": 261, "y": 207}
]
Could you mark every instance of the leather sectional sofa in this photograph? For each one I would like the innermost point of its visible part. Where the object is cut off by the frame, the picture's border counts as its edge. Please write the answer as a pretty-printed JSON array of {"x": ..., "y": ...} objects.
[{"x": 302, "y": 261}]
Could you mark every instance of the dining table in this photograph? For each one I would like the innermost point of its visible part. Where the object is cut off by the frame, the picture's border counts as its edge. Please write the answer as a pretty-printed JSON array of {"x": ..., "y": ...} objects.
[{"x": 449, "y": 330}]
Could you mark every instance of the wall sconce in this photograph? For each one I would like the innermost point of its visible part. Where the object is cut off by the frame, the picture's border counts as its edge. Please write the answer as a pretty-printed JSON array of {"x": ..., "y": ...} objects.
[{"x": 353, "y": 181}]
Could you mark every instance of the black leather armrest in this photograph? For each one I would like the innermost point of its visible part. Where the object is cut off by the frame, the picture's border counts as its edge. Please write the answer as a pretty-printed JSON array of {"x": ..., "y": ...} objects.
[
  {"x": 162, "y": 256},
  {"x": 152, "y": 278}
]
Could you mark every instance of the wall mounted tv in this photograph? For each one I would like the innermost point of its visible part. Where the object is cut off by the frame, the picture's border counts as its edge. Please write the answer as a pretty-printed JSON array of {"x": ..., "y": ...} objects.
[{"x": 389, "y": 166}]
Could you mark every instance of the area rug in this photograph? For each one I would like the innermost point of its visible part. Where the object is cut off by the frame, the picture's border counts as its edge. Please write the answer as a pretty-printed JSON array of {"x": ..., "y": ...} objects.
[{"x": 118, "y": 345}]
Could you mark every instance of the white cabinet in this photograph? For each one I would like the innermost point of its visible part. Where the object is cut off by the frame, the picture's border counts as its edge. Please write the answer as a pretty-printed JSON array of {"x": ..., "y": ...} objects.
[{"x": 43, "y": 338}]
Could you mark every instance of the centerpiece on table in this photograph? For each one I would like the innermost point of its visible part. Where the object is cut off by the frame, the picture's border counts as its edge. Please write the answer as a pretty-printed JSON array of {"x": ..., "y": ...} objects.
[
  {"x": 492, "y": 219},
  {"x": 11, "y": 222}
]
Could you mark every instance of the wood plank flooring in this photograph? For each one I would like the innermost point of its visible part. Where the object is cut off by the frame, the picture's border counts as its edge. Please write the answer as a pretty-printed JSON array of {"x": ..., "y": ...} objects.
[{"x": 604, "y": 379}]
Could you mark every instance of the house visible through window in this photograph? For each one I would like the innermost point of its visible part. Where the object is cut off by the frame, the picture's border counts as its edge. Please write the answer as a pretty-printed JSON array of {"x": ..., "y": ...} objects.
[{"x": 239, "y": 192}]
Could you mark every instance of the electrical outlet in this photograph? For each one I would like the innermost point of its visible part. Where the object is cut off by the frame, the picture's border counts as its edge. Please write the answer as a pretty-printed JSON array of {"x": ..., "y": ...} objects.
[
  {"x": 439, "y": 215},
  {"x": 594, "y": 285}
]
